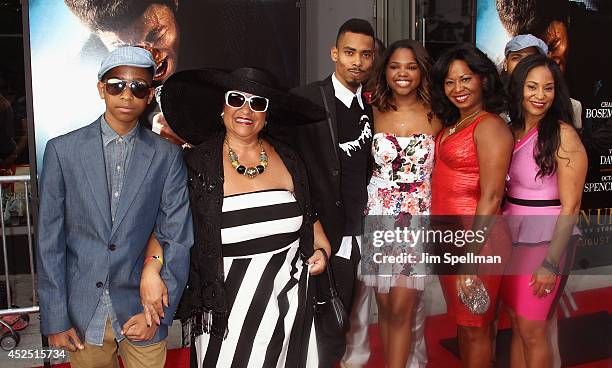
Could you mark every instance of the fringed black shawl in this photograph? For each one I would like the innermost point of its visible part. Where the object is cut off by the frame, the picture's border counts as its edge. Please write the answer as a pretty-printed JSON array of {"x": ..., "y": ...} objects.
[{"x": 204, "y": 304}]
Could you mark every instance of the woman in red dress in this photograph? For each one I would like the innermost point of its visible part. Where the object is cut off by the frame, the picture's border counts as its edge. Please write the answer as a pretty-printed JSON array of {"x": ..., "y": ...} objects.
[{"x": 473, "y": 154}]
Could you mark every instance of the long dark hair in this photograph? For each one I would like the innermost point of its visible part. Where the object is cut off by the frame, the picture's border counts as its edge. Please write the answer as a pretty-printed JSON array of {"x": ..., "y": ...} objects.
[
  {"x": 382, "y": 93},
  {"x": 549, "y": 129},
  {"x": 493, "y": 92}
]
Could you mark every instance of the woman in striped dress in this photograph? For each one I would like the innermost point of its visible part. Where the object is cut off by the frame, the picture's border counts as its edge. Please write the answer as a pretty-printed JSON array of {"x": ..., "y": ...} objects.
[{"x": 248, "y": 300}]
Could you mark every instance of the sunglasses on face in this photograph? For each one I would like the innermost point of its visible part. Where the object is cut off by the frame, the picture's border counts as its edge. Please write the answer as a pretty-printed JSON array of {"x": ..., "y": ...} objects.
[
  {"x": 237, "y": 99},
  {"x": 115, "y": 86}
]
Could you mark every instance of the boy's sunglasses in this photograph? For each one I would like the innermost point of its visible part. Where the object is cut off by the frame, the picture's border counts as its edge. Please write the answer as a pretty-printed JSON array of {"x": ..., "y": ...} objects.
[
  {"x": 237, "y": 99},
  {"x": 115, "y": 86}
]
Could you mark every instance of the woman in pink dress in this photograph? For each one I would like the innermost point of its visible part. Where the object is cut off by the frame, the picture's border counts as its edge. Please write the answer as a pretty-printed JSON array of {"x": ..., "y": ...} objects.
[
  {"x": 544, "y": 189},
  {"x": 400, "y": 187}
]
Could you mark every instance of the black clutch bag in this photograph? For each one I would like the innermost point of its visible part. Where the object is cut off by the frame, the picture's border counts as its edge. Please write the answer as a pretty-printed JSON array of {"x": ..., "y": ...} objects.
[{"x": 329, "y": 309}]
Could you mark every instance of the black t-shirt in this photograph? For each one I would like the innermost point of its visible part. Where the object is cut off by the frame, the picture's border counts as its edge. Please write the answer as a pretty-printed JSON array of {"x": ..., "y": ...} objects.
[{"x": 355, "y": 141}]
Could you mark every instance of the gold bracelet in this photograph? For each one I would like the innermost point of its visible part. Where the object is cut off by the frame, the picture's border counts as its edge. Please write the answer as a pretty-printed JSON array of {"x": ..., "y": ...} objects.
[{"x": 159, "y": 259}]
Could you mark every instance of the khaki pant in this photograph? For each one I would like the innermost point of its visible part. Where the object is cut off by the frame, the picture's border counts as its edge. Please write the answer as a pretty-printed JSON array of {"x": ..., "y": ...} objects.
[{"x": 149, "y": 356}]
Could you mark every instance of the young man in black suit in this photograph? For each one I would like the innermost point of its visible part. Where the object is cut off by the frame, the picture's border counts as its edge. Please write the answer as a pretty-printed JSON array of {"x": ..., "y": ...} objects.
[{"x": 337, "y": 155}]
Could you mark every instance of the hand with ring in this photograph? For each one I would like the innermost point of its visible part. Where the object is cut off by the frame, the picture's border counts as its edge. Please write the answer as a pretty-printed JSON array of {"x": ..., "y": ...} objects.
[
  {"x": 542, "y": 282},
  {"x": 466, "y": 283}
]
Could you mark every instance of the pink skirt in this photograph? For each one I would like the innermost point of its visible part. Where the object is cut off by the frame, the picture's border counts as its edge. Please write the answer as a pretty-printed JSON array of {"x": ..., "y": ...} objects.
[{"x": 516, "y": 292}]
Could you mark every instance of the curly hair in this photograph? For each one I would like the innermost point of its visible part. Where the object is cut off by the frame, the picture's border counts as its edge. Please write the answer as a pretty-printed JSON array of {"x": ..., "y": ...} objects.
[
  {"x": 493, "y": 92},
  {"x": 549, "y": 129},
  {"x": 530, "y": 16},
  {"x": 108, "y": 15},
  {"x": 383, "y": 95}
]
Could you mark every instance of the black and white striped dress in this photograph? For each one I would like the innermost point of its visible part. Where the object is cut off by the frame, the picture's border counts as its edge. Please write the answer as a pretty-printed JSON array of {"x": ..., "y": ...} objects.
[{"x": 266, "y": 283}]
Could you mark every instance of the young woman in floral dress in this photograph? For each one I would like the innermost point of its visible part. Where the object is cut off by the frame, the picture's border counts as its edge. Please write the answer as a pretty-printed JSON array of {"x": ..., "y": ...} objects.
[{"x": 400, "y": 187}]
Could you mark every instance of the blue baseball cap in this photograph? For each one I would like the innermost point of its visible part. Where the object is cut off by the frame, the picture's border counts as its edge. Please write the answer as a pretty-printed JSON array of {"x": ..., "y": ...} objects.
[
  {"x": 127, "y": 56},
  {"x": 524, "y": 41}
]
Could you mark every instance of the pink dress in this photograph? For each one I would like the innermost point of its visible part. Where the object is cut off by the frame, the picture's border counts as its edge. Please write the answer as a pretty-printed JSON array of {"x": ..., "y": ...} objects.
[{"x": 531, "y": 210}]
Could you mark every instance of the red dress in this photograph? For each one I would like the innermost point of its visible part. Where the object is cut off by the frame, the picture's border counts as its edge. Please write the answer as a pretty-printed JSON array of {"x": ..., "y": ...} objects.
[{"x": 455, "y": 190}]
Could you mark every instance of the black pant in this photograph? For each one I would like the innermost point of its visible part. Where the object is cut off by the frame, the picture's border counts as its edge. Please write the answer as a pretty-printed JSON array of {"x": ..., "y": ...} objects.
[{"x": 331, "y": 341}]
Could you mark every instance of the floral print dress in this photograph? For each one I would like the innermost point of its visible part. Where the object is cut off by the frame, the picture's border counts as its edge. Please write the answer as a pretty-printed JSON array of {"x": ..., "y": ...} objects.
[{"x": 399, "y": 194}]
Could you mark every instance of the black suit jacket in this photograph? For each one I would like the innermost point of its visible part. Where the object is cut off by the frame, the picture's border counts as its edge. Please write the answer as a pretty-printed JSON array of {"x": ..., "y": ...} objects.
[{"x": 317, "y": 145}]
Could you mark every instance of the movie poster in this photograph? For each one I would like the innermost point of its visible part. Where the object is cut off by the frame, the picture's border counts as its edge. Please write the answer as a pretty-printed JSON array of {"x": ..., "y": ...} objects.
[
  {"x": 576, "y": 33},
  {"x": 69, "y": 38}
]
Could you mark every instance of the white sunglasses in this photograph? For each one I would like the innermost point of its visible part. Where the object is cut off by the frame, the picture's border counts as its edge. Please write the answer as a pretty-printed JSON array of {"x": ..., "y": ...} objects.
[{"x": 237, "y": 99}]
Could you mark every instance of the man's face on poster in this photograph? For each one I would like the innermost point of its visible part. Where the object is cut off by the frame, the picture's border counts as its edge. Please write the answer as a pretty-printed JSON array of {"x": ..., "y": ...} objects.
[
  {"x": 531, "y": 16},
  {"x": 156, "y": 30},
  {"x": 557, "y": 40}
]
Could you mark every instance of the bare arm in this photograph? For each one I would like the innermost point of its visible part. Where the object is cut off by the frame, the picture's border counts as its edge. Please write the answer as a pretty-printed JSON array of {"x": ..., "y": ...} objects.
[
  {"x": 174, "y": 230},
  {"x": 494, "y": 145},
  {"x": 153, "y": 249},
  {"x": 153, "y": 291},
  {"x": 571, "y": 172},
  {"x": 320, "y": 239},
  {"x": 320, "y": 242}
]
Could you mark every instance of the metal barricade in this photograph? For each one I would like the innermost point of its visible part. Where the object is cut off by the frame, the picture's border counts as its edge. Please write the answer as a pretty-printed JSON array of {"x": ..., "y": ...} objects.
[{"x": 18, "y": 182}]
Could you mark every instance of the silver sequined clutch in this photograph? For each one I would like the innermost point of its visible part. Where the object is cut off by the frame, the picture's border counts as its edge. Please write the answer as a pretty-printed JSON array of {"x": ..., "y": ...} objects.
[{"x": 478, "y": 301}]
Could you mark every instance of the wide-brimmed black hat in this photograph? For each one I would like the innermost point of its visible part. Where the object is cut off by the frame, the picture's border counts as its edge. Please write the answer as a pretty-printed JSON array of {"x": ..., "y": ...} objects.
[{"x": 192, "y": 101}]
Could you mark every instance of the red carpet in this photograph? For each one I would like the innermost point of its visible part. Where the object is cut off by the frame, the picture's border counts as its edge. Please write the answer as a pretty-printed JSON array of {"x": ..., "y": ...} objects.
[{"x": 440, "y": 327}]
